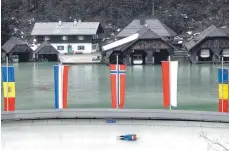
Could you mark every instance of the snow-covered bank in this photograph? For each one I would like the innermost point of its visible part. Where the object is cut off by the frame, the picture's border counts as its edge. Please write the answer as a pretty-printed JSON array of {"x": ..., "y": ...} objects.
[{"x": 77, "y": 135}]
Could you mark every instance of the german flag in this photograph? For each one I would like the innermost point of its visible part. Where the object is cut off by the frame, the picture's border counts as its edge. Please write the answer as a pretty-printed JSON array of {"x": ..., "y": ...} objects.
[{"x": 8, "y": 88}]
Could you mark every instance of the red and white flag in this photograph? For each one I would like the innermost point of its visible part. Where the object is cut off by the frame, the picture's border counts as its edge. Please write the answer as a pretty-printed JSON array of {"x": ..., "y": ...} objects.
[{"x": 169, "y": 81}]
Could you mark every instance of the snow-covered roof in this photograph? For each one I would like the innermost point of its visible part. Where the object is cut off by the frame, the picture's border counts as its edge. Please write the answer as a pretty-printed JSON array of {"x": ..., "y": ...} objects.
[
  {"x": 120, "y": 42},
  {"x": 211, "y": 31},
  {"x": 153, "y": 24},
  {"x": 65, "y": 28},
  {"x": 12, "y": 42},
  {"x": 143, "y": 34}
]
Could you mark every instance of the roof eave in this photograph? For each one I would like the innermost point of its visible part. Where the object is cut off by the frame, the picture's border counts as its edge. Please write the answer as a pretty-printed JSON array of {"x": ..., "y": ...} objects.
[{"x": 32, "y": 34}]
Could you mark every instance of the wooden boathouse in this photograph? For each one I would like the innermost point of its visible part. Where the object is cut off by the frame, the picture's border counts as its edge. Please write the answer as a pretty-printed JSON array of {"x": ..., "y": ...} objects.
[
  {"x": 17, "y": 47},
  {"x": 143, "y": 47},
  {"x": 141, "y": 42},
  {"x": 209, "y": 46},
  {"x": 46, "y": 52}
]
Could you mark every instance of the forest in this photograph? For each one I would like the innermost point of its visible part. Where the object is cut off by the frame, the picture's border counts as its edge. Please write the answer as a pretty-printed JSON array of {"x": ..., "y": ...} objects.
[{"x": 19, "y": 16}]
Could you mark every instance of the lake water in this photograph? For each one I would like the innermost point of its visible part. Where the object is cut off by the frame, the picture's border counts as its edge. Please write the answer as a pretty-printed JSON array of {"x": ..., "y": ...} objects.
[{"x": 89, "y": 86}]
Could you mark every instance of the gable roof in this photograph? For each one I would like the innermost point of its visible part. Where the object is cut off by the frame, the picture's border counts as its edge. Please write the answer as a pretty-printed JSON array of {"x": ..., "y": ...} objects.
[
  {"x": 146, "y": 33},
  {"x": 225, "y": 30},
  {"x": 143, "y": 33},
  {"x": 46, "y": 48},
  {"x": 11, "y": 43},
  {"x": 211, "y": 31},
  {"x": 154, "y": 24},
  {"x": 66, "y": 28}
]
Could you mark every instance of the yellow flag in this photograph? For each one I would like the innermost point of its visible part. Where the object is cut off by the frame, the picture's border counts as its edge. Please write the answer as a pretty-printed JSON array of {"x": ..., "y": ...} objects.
[
  {"x": 11, "y": 89},
  {"x": 223, "y": 91}
]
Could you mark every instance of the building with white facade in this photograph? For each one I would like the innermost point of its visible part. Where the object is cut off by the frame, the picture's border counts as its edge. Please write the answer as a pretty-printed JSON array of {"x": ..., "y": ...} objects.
[{"x": 69, "y": 37}]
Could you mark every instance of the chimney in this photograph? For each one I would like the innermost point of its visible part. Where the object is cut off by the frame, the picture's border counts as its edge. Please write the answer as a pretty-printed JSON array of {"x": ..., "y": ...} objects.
[
  {"x": 75, "y": 22},
  {"x": 59, "y": 23},
  {"x": 79, "y": 20},
  {"x": 142, "y": 20}
]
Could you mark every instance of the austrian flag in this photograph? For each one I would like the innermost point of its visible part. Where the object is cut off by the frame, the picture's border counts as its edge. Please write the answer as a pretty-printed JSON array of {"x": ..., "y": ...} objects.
[{"x": 169, "y": 82}]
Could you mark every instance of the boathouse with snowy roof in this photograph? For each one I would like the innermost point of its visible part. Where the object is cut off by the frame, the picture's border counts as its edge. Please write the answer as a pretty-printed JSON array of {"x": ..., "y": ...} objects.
[
  {"x": 17, "y": 47},
  {"x": 143, "y": 41},
  {"x": 142, "y": 47},
  {"x": 209, "y": 46}
]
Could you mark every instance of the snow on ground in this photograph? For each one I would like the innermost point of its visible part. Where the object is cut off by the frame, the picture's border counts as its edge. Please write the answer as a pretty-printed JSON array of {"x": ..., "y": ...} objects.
[{"x": 77, "y": 135}]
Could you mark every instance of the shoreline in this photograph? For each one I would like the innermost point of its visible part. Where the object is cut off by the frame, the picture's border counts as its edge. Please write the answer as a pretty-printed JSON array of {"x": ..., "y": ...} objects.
[{"x": 130, "y": 114}]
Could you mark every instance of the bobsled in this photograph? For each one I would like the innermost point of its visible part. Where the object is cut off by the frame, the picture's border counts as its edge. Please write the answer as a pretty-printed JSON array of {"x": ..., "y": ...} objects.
[{"x": 128, "y": 137}]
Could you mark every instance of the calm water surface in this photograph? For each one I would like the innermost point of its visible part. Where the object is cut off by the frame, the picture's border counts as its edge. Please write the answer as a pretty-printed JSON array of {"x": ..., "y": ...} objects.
[{"x": 89, "y": 86}]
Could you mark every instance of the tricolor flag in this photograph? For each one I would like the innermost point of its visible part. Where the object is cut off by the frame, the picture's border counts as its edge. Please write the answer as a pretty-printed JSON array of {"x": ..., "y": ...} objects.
[
  {"x": 8, "y": 88},
  {"x": 118, "y": 85},
  {"x": 169, "y": 81},
  {"x": 61, "y": 86},
  {"x": 223, "y": 89}
]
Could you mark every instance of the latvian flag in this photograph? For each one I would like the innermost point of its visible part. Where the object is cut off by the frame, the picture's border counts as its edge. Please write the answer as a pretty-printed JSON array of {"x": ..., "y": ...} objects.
[
  {"x": 61, "y": 86},
  {"x": 169, "y": 81},
  {"x": 8, "y": 88}
]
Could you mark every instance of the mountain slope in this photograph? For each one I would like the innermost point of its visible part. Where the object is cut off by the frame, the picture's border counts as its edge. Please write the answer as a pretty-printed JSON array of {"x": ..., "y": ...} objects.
[{"x": 19, "y": 16}]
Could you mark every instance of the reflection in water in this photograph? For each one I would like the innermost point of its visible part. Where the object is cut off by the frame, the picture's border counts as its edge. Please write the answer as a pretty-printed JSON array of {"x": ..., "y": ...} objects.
[
  {"x": 34, "y": 73},
  {"x": 83, "y": 84},
  {"x": 38, "y": 85},
  {"x": 205, "y": 71},
  {"x": 89, "y": 86}
]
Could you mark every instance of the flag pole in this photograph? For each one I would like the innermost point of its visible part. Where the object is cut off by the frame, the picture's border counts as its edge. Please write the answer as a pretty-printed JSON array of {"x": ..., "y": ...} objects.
[
  {"x": 222, "y": 84},
  {"x": 7, "y": 80},
  {"x": 117, "y": 85},
  {"x": 170, "y": 107},
  {"x": 61, "y": 77}
]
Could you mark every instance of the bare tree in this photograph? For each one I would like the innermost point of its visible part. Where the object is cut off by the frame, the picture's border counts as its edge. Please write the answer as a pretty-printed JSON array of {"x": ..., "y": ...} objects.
[{"x": 214, "y": 143}]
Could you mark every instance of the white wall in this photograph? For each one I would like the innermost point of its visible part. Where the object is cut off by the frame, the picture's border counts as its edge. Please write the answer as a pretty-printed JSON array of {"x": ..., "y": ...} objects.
[
  {"x": 87, "y": 46},
  {"x": 96, "y": 48}
]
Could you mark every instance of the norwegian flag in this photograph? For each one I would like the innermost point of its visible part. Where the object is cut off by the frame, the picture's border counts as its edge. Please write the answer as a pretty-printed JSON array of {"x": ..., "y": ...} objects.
[{"x": 118, "y": 85}]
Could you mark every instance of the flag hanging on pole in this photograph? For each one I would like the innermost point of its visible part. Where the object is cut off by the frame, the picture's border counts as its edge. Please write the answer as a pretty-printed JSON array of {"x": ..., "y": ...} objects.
[
  {"x": 169, "y": 82},
  {"x": 118, "y": 85},
  {"x": 61, "y": 86},
  {"x": 223, "y": 89},
  {"x": 8, "y": 88}
]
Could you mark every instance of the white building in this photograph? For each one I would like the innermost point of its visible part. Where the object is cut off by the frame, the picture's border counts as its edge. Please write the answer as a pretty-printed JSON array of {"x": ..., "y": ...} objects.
[{"x": 69, "y": 37}]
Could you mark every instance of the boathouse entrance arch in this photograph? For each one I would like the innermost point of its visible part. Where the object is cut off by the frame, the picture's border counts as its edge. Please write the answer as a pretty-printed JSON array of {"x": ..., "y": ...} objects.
[{"x": 113, "y": 57}]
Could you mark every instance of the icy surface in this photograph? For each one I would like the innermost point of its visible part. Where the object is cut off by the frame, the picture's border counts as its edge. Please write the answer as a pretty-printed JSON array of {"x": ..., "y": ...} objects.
[{"x": 93, "y": 135}]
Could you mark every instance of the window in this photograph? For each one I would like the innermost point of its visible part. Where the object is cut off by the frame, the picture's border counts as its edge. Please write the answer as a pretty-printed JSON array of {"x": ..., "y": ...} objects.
[
  {"x": 94, "y": 46},
  {"x": 95, "y": 36},
  {"x": 137, "y": 57},
  {"x": 157, "y": 50},
  {"x": 80, "y": 37},
  {"x": 60, "y": 47},
  {"x": 46, "y": 38},
  {"x": 64, "y": 38},
  {"x": 81, "y": 48}
]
